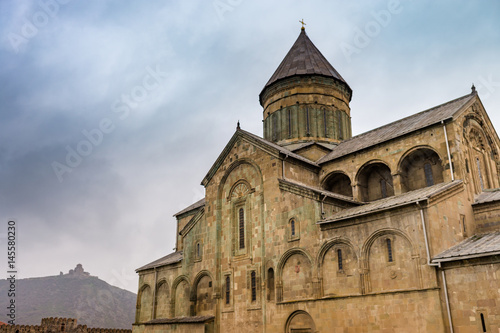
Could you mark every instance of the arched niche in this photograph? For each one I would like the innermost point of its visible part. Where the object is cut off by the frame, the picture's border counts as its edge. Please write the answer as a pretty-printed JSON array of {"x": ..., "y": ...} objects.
[
  {"x": 239, "y": 194},
  {"x": 375, "y": 181},
  {"x": 182, "y": 302},
  {"x": 338, "y": 182},
  {"x": 296, "y": 276},
  {"x": 391, "y": 261},
  {"x": 339, "y": 269},
  {"x": 419, "y": 168},
  {"x": 300, "y": 321},
  {"x": 243, "y": 171},
  {"x": 162, "y": 299},
  {"x": 481, "y": 155},
  {"x": 203, "y": 294},
  {"x": 145, "y": 304}
]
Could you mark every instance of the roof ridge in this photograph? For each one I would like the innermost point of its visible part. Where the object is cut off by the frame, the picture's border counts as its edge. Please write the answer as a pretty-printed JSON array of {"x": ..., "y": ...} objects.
[
  {"x": 410, "y": 116},
  {"x": 389, "y": 125},
  {"x": 280, "y": 148},
  {"x": 403, "y": 199},
  {"x": 259, "y": 141},
  {"x": 191, "y": 207},
  {"x": 478, "y": 245},
  {"x": 323, "y": 59}
]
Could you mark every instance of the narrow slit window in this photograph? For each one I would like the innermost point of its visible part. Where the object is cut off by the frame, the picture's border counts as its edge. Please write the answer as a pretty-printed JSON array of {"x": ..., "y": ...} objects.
[
  {"x": 339, "y": 125},
  {"x": 292, "y": 227},
  {"x": 324, "y": 122},
  {"x": 429, "y": 179},
  {"x": 241, "y": 227},
  {"x": 253, "y": 286},
  {"x": 462, "y": 222},
  {"x": 228, "y": 288},
  {"x": 339, "y": 258},
  {"x": 307, "y": 122},
  {"x": 289, "y": 123},
  {"x": 275, "y": 127},
  {"x": 389, "y": 250},
  {"x": 270, "y": 284}
]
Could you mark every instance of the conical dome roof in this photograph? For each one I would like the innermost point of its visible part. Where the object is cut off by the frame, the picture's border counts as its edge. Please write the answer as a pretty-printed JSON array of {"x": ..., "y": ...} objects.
[
  {"x": 304, "y": 59},
  {"x": 306, "y": 99}
]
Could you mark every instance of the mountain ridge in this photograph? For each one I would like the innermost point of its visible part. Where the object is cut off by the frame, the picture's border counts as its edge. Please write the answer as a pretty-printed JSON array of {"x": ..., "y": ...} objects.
[{"x": 93, "y": 302}]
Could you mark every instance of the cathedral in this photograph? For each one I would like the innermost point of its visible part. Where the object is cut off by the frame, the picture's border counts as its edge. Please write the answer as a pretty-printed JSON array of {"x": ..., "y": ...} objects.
[{"x": 311, "y": 229}]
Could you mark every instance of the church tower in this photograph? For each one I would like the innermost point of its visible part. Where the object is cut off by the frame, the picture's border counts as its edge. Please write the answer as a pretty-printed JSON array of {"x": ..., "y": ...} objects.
[{"x": 306, "y": 99}]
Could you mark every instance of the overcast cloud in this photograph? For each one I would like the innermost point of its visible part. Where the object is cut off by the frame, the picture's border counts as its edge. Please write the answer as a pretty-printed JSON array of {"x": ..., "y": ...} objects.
[{"x": 112, "y": 112}]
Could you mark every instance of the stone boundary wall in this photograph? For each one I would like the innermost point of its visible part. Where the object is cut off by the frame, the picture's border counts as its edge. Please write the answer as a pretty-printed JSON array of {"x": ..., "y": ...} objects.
[{"x": 50, "y": 325}]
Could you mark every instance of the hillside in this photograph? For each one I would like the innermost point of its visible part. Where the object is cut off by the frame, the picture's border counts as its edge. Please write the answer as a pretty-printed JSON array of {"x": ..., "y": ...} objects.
[{"x": 91, "y": 301}]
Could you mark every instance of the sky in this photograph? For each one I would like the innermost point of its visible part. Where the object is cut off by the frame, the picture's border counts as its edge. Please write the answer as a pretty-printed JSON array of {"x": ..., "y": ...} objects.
[{"x": 112, "y": 112}]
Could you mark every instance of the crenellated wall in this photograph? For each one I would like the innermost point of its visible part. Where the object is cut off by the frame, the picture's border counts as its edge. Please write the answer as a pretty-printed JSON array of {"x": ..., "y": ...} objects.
[{"x": 51, "y": 324}]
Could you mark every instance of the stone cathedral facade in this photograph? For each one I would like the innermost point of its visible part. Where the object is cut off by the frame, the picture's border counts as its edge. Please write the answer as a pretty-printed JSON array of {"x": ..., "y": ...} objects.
[{"x": 310, "y": 229}]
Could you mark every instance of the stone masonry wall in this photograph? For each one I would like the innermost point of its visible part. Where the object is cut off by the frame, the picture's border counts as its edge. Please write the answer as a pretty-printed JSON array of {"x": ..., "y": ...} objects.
[
  {"x": 52, "y": 325},
  {"x": 474, "y": 293}
]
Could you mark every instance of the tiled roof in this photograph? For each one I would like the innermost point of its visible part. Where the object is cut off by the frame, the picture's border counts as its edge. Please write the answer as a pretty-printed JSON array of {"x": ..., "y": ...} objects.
[
  {"x": 476, "y": 246},
  {"x": 263, "y": 143},
  {"x": 304, "y": 59},
  {"x": 197, "y": 204},
  {"x": 181, "y": 320},
  {"x": 488, "y": 196},
  {"x": 191, "y": 222},
  {"x": 172, "y": 258},
  {"x": 398, "y": 128},
  {"x": 280, "y": 148},
  {"x": 321, "y": 191},
  {"x": 298, "y": 146},
  {"x": 392, "y": 202}
]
